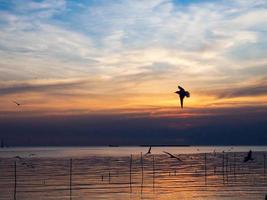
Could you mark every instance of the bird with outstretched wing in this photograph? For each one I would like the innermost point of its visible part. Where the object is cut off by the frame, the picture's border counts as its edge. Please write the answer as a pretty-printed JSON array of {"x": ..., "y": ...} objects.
[
  {"x": 172, "y": 156},
  {"x": 149, "y": 151},
  {"x": 182, "y": 94}
]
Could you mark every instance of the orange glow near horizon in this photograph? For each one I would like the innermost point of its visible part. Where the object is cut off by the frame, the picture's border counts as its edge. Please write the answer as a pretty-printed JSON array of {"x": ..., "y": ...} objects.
[{"x": 156, "y": 104}]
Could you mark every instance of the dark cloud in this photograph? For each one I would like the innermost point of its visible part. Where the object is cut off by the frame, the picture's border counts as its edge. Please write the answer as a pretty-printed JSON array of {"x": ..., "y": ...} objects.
[
  {"x": 31, "y": 87},
  {"x": 215, "y": 126},
  {"x": 259, "y": 89}
]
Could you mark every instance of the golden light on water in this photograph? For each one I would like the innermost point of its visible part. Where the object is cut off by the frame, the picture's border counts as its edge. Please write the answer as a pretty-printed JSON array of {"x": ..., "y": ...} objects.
[{"x": 106, "y": 173}]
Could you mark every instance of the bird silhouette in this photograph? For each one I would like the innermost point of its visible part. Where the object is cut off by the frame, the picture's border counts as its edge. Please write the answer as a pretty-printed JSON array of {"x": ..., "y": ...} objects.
[
  {"x": 172, "y": 156},
  {"x": 29, "y": 165},
  {"x": 182, "y": 94},
  {"x": 18, "y": 104},
  {"x": 149, "y": 151},
  {"x": 248, "y": 157},
  {"x": 18, "y": 157}
]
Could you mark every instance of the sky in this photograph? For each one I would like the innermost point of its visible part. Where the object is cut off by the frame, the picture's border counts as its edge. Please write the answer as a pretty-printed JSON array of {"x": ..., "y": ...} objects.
[{"x": 95, "y": 72}]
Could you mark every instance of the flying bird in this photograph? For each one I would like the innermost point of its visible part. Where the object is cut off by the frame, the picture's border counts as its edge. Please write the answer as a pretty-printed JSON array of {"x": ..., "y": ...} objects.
[
  {"x": 18, "y": 104},
  {"x": 29, "y": 165},
  {"x": 18, "y": 157},
  {"x": 248, "y": 157},
  {"x": 149, "y": 151},
  {"x": 172, "y": 156},
  {"x": 182, "y": 94}
]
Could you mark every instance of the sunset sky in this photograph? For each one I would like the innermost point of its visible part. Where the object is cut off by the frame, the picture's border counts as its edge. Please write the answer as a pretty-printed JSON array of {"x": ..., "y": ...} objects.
[{"x": 105, "y": 71}]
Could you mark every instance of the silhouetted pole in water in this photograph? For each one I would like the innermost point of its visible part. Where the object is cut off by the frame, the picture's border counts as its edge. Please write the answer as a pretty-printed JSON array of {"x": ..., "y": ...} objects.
[
  {"x": 109, "y": 177},
  {"x": 214, "y": 165},
  {"x": 15, "y": 180},
  {"x": 264, "y": 164},
  {"x": 142, "y": 168},
  {"x": 131, "y": 160},
  {"x": 234, "y": 166},
  {"x": 70, "y": 179},
  {"x": 227, "y": 167},
  {"x": 153, "y": 172},
  {"x": 223, "y": 166},
  {"x": 205, "y": 167}
]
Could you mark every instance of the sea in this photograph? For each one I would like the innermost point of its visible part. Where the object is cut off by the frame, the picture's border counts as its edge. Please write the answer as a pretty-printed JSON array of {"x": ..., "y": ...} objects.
[{"x": 121, "y": 173}]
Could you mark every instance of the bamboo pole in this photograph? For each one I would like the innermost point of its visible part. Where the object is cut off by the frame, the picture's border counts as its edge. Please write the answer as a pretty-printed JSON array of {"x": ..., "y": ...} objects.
[
  {"x": 264, "y": 164},
  {"x": 70, "y": 178},
  {"x": 131, "y": 160},
  {"x": 153, "y": 172},
  {"x": 223, "y": 166},
  {"x": 227, "y": 167},
  {"x": 15, "y": 180},
  {"x": 234, "y": 166},
  {"x": 142, "y": 170},
  {"x": 205, "y": 167},
  {"x": 142, "y": 167}
]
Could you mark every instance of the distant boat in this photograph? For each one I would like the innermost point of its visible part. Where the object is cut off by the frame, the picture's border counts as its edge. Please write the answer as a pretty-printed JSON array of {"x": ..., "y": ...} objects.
[{"x": 113, "y": 145}]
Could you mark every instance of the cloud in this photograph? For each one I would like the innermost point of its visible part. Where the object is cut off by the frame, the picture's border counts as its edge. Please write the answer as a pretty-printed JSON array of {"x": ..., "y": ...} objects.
[
  {"x": 136, "y": 128},
  {"x": 38, "y": 86},
  {"x": 133, "y": 47},
  {"x": 242, "y": 92},
  {"x": 245, "y": 91}
]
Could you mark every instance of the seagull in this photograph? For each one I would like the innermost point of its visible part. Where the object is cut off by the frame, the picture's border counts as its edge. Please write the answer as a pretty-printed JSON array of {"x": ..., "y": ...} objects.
[
  {"x": 248, "y": 157},
  {"x": 182, "y": 94},
  {"x": 18, "y": 157},
  {"x": 29, "y": 165},
  {"x": 18, "y": 104},
  {"x": 172, "y": 156},
  {"x": 149, "y": 151}
]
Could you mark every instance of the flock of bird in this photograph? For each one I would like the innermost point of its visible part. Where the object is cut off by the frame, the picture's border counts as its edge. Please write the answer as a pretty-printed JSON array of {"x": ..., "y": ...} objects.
[
  {"x": 181, "y": 92},
  {"x": 170, "y": 155},
  {"x": 247, "y": 158}
]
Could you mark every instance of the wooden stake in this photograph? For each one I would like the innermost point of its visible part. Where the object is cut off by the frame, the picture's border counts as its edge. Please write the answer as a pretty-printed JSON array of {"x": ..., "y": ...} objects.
[
  {"x": 15, "y": 180},
  {"x": 131, "y": 160},
  {"x": 227, "y": 168},
  {"x": 142, "y": 168},
  {"x": 234, "y": 166},
  {"x": 223, "y": 166},
  {"x": 205, "y": 167},
  {"x": 153, "y": 172},
  {"x": 70, "y": 178},
  {"x": 109, "y": 177},
  {"x": 264, "y": 164}
]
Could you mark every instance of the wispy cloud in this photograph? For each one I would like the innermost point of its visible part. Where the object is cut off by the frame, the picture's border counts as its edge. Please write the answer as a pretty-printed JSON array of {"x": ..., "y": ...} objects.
[
  {"x": 254, "y": 91},
  {"x": 131, "y": 48}
]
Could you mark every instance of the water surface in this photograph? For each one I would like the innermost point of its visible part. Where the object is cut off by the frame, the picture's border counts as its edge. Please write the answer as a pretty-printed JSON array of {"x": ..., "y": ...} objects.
[{"x": 106, "y": 173}]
